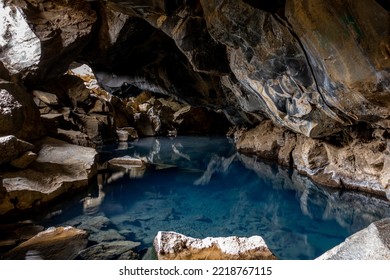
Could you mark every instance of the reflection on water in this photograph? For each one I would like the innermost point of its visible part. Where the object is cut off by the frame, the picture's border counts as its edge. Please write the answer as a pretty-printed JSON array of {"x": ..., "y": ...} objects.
[{"x": 201, "y": 187}]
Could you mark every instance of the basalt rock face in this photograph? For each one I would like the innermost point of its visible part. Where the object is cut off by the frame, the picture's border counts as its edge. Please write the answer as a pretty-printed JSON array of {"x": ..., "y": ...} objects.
[
  {"x": 18, "y": 114},
  {"x": 352, "y": 160},
  {"x": 41, "y": 38}
]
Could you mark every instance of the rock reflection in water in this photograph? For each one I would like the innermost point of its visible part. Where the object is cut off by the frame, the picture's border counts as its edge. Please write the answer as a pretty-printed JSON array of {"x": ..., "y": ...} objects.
[{"x": 201, "y": 187}]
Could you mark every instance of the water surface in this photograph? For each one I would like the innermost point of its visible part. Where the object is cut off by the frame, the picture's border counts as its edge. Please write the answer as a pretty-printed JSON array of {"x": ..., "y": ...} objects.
[{"x": 200, "y": 186}]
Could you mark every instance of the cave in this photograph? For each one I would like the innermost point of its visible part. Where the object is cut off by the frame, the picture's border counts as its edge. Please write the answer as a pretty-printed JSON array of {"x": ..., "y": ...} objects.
[{"x": 123, "y": 119}]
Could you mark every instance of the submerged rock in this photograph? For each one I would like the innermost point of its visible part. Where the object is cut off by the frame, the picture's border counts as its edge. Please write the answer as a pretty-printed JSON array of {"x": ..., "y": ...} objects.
[
  {"x": 175, "y": 246},
  {"x": 111, "y": 251},
  {"x": 371, "y": 243},
  {"x": 62, "y": 243}
]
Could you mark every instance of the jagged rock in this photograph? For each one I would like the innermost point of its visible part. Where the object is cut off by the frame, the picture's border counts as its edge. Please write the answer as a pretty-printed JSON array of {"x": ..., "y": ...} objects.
[
  {"x": 11, "y": 148},
  {"x": 62, "y": 243},
  {"x": 358, "y": 163},
  {"x": 59, "y": 169},
  {"x": 99, "y": 128},
  {"x": 13, "y": 234},
  {"x": 25, "y": 160},
  {"x": 18, "y": 114},
  {"x": 371, "y": 243},
  {"x": 110, "y": 251},
  {"x": 74, "y": 137},
  {"x": 43, "y": 37},
  {"x": 175, "y": 246},
  {"x": 192, "y": 120},
  {"x": 46, "y": 97},
  {"x": 352, "y": 77}
]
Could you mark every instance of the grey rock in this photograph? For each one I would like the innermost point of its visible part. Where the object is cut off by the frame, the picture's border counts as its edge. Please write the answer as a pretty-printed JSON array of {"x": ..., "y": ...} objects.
[
  {"x": 42, "y": 44},
  {"x": 371, "y": 243},
  {"x": 109, "y": 250},
  {"x": 106, "y": 236}
]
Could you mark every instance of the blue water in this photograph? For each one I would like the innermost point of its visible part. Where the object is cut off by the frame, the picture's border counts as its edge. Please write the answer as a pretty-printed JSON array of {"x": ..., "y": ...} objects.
[{"x": 200, "y": 186}]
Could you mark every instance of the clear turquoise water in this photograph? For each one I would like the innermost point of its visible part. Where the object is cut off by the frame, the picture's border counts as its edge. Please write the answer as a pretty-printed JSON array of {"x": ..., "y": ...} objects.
[{"x": 200, "y": 186}]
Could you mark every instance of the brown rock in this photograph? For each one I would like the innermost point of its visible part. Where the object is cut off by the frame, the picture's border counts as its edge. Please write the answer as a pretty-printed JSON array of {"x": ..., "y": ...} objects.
[
  {"x": 59, "y": 169},
  {"x": 19, "y": 115},
  {"x": 351, "y": 77},
  {"x": 11, "y": 148},
  {"x": 62, "y": 243},
  {"x": 25, "y": 160},
  {"x": 46, "y": 97}
]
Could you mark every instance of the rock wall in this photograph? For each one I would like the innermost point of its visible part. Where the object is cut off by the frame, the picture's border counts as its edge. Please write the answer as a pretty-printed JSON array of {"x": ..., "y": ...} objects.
[
  {"x": 313, "y": 73},
  {"x": 357, "y": 160}
]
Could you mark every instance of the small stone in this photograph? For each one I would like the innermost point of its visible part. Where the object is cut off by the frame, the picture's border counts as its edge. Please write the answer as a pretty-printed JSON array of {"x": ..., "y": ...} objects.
[
  {"x": 25, "y": 160},
  {"x": 123, "y": 135},
  {"x": 133, "y": 134},
  {"x": 46, "y": 97},
  {"x": 127, "y": 162}
]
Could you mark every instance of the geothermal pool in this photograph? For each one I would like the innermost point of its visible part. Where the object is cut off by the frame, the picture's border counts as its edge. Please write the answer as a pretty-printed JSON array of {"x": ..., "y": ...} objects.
[{"x": 201, "y": 186}]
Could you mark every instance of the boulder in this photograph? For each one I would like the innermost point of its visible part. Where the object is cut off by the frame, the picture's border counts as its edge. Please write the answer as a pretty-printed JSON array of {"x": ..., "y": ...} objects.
[
  {"x": 19, "y": 115},
  {"x": 43, "y": 37},
  {"x": 12, "y": 148},
  {"x": 59, "y": 169},
  {"x": 62, "y": 243},
  {"x": 175, "y": 246},
  {"x": 371, "y": 243}
]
